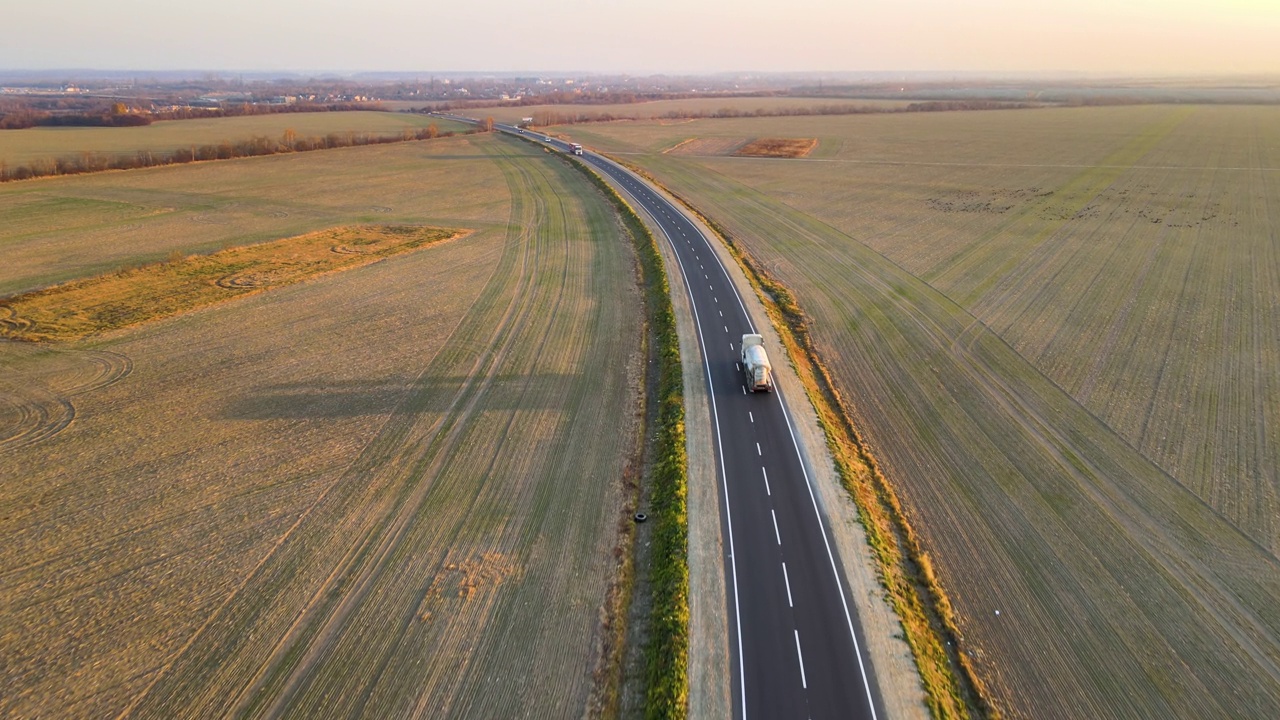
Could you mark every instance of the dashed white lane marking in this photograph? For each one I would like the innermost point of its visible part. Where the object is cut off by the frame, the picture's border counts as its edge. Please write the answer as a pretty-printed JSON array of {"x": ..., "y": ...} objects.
[
  {"x": 777, "y": 535},
  {"x": 716, "y": 299},
  {"x": 751, "y": 415},
  {"x": 721, "y": 313},
  {"x": 737, "y": 367},
  {"x": 744, "y": 389},
  {"x": 787, "y": 581},
  {"x": 800, "y": 656},
  {"x": 758, "y": 449},
  {"x": 767, "y": 491},
  {"x": 726, "y": 328}
]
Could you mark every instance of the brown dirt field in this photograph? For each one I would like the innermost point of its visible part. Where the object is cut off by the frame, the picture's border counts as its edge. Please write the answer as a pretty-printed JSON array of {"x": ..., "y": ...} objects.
[
  {"x": 778, "y": 147},
  {"x": 377, "y": 493}
]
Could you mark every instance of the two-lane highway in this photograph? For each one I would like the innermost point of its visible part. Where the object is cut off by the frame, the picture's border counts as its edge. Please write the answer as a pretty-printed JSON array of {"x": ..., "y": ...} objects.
[{"x": 795, "y": 643}]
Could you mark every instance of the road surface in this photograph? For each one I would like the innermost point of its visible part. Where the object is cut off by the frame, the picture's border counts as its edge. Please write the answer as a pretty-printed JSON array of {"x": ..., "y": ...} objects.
[{"x": 795, "y": 641}]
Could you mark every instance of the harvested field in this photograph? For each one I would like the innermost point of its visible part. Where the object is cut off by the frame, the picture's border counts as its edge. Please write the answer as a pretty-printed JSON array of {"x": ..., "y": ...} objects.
[
  {"x": 60, "y": 229},
  {"x": 92, "y": 306},
  {"x": 1056, "y": 328},
  {"x": 778, "y": 147},
  {"x": 21, "y": 147},
  {"x": 391, "y": 491}
]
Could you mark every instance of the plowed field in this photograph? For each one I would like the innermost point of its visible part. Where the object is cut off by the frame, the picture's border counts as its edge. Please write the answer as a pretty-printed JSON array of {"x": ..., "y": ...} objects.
[
  {"x": 1058, "y": 329},
  {"x": 388, "y": 492}
]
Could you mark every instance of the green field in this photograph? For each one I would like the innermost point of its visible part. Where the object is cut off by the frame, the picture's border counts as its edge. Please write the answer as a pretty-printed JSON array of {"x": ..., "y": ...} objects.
[
  {"x": 20, "y": 147},
  {"x": 1057, "y": 330},
  {"x": 391, "y": 491}
]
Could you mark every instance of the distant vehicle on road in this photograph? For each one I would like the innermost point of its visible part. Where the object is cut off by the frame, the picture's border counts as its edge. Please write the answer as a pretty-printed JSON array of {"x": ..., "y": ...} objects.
[
  {"x": 577, "y": 149},
  {"x": 755, "y": 364}
]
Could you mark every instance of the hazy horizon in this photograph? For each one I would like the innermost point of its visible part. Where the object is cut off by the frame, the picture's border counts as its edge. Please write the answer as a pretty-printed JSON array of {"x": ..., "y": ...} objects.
[{"x": 1120, "y": 38}]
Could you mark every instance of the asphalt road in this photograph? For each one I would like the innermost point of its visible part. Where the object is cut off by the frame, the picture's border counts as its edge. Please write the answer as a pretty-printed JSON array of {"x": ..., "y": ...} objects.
[{"x": 795, "y": 642}]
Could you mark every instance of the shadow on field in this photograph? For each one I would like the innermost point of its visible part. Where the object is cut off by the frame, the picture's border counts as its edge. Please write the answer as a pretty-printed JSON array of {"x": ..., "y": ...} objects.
[{"x": 352, "y": 399}]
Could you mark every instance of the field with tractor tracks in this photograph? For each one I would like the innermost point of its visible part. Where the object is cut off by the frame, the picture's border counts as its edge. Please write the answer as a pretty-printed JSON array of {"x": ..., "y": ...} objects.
[
  {"x": 393, "y": 490},
  {"x": 1057, "y": 331}
]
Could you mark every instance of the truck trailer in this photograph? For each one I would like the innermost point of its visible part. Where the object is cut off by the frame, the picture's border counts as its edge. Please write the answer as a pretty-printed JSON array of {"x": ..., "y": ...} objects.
[{"x": 755, "y": 364}]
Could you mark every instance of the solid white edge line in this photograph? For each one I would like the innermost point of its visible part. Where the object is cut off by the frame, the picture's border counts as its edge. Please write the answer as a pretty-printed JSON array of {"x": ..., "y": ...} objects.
[
  {"x": 787, "y": 581},
  {"x": 724, "y": 480},
  {"x": 857, "y": 649}
]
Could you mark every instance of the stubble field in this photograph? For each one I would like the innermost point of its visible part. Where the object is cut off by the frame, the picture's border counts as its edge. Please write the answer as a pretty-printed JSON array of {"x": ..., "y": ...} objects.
[
  {"x": 1058, "y": 330},
  {"x": 384, "y": 492}
]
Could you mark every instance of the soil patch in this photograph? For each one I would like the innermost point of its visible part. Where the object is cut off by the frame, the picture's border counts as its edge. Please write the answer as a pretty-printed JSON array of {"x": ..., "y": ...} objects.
[{"x": 778, "y": 147}]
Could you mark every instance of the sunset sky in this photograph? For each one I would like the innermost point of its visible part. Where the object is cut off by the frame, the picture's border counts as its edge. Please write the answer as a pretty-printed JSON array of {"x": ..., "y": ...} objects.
[{"x": 649, "y": 36}]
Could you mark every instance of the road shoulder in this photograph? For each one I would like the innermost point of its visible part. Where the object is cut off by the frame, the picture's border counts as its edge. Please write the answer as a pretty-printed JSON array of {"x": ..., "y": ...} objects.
[
  {"x": 710, "y": 693},
  {"x": 893, "y": 668}
]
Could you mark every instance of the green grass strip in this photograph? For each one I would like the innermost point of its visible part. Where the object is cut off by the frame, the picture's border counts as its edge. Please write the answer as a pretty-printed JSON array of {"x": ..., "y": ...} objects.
[{"x": 667, "y": 654}]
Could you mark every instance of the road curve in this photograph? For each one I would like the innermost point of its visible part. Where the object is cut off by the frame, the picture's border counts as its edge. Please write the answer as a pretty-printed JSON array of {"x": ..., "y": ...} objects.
[{"x": 794, "y": 639}]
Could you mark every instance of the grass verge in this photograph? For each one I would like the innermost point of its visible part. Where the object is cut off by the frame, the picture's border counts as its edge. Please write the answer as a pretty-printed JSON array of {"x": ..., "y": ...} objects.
[
  {"x": 134, "y": 295},
  {"x": 952, "y": 685},
  {"x": 666, "y": 655}
]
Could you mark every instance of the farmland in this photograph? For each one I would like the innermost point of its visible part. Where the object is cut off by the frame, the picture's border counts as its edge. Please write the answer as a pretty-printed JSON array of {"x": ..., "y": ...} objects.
[
  {"x": 685, "y": 106},
  {"x": 374, "y": 492},
  {"x": 21, "y": 147},
  {"x": 1056, "y": 330}
]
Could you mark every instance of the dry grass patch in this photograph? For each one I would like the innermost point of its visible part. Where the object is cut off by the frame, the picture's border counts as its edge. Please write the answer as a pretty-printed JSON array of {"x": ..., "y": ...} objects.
[
  {"x": 82, "y": 308},
  {"x": 778, "y": 147}
]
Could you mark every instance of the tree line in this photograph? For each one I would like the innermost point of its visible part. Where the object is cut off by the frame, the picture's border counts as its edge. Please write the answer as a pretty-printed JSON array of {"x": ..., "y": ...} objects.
[
  {"x": 289, "y": 141},
  {"x": 120, "y": 115}
]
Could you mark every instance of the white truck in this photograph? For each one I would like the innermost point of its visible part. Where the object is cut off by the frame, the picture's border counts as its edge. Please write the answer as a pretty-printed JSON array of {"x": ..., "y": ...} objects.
[
  {"x": 576, "y": 148},
  {"x": 755, "y": 364}
]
